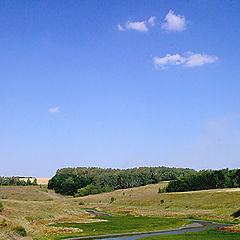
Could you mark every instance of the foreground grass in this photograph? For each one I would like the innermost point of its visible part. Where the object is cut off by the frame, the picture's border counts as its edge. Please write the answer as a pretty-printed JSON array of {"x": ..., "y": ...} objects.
[
  {"x": 206, "y": 235},
  {"x": 35, "y": 208},
  {"x": 124, "y": 224}
]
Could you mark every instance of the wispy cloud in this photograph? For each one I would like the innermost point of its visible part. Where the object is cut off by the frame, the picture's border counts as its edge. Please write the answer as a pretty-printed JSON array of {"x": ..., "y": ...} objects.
[
  {"x": 120, "y": 28},
  {"x": 190, "y": 60},
  {"x": 53, "y": 110},
  {"x": 151, "y": 21},
  {"x": 138, "y": 26},
  {"x": 174, "y": 22}
]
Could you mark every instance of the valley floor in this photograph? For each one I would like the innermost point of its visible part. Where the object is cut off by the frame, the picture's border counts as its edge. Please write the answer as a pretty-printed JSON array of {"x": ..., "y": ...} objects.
[{"x": 41, "y": 212}]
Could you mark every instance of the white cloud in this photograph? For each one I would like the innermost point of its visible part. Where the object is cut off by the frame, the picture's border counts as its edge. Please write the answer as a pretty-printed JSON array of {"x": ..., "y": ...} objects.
[
  {"x": 138, "y": 26},
  {"x": 191, "y": 60},
  {"x": 53, "y": 110},
  {"x": 174, "y": 22},
  {"x": 168, "y": 60},
  {"x": 199, "y": 59},
  {"x": 120, "y": 28},
  {"x": 151, "y": 21}
]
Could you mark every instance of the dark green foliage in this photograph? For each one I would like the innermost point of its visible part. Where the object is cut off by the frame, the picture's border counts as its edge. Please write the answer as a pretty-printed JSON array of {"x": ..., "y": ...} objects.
[
  {"x": 207, "y": 179},
  {"x": 81, "y": 203},
  {"x": 112, "y": 199},
  {"x": 162, "y": 201},
  {"x": 29, "y": 182},
  {"x": 85, "y": 181},
  {"x": 236, "y": 214},
  {"x": 66, "y": 184},
  {"x": 163, "y": 190},
  {"x": 20, "y": 231},
  {"x": 1, "y": 207},
  {"x": 34, "y": 182},
  {"x": 16, "y": 181}
]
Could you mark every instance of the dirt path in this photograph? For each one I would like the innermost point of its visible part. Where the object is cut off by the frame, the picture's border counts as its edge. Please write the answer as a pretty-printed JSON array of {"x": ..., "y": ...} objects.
[{"x": 96, "y": 213}]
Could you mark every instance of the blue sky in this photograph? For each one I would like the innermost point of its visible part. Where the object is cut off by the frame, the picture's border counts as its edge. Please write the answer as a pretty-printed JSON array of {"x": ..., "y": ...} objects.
[{"x": 118, "y": 84}]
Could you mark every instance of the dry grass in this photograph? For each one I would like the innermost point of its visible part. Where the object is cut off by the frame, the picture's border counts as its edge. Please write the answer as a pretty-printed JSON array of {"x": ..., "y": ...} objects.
[
  {"x": 43, "y": 181},
  {"x": 27, "y": 193},
  {"x": 210, "y": 204},
  {"x": 34, "y": 208}
]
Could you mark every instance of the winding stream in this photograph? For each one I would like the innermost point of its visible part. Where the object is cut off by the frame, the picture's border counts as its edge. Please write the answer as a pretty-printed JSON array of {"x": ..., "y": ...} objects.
[
  {"x": 194, "y": 226},
  {"x": 202, "y": 226}
]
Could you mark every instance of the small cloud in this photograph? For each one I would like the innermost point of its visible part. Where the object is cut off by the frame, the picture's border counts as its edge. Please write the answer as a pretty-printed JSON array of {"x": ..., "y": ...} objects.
[
  {"x": 191, "y": 60},
  {"x": 53, "y": 110},
  {"x": 174, "y": 22},
  {"x": 168, "y": 60},
  {"x": 195, "y": 60},
  {"x": 120, "y": 28},
  {"x": 151, "y": 21},
  {"x": 138, "y": 26}
]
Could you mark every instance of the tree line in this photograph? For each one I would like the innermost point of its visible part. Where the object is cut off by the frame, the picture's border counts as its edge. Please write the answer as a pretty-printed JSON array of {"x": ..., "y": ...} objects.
[
  {"x": 16, "y": 181},
  {"x": 206, "y": 179},
  {"x": 82, "y": 181}
]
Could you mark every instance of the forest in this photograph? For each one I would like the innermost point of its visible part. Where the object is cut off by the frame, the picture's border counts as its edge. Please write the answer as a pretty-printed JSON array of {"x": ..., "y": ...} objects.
[
  {"x": 82, "y": 181},
  {"x": 206, "y": 179},
  {"x": 16, "y": 181}
]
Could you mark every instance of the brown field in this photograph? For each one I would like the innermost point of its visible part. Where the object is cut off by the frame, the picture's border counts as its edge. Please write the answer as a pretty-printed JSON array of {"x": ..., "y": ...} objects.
[{"x": 42, "y": 181}]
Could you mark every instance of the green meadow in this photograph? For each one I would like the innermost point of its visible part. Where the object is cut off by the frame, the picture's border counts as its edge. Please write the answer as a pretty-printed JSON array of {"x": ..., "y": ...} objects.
[
  {"x": 125, "y": 224},
  {"x": 203, "y": 235}
]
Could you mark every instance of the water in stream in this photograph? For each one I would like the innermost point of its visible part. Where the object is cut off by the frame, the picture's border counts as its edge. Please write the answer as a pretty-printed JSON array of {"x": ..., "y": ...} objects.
[{"x": 188, "y": 230}]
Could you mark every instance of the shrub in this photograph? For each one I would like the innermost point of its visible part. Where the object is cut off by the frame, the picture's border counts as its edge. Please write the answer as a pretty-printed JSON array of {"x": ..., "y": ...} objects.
[
  {"x": 112, "y": 199},
  {"x": 162, "y": 201},
  {"x": 236, "y": 214},
  {"x": 81, "y": 203},
  {"x": 1, "y": 207},
  {"x": 4, "y": 223},
  {"x": 163, "y": 190},
  {"x": 20, "y": 231}
]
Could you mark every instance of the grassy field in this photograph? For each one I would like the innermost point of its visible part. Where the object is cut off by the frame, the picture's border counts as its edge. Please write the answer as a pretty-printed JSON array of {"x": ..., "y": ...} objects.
[
  {"x": 209, "y": 204},
  {"x": 206, "y": 235},
  {"x": 36, "y": 208},
  {"x": 26, "y": 193},
  {"x": 125, "y": 224}
]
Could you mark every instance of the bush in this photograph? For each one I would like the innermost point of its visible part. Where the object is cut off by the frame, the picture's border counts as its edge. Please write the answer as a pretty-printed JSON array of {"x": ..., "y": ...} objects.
[
  {"x": 163, "y": 190},
  {"x": 4, "y": 223},
  {"x": 112, "y": 199},
  {"x": 20, "y": 231},
  {"x": 81, "y": 203},
  {"x": 236, "y": 214},
  {"x": 1, "y": 207}
]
